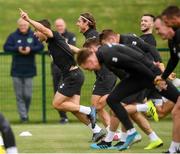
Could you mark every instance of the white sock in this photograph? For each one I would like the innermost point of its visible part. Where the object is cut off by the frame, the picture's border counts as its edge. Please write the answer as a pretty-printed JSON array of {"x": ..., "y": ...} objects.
[
  {"x": 96, "y": 129},
  {"x": 12, "y": 150},
  {"x": 1, "y": 141},
  {"x": 109, "y": 137},
  {"x": 153, "y": 136},
  {"x": 174, "y": 147},
  {"x": 123, "y": 136},
  {"x": 141, "y": 107},
  {"x": 131, "y": 131},
  {"x": 158, "y": 102},
  {"x": 84, "y": 109}
]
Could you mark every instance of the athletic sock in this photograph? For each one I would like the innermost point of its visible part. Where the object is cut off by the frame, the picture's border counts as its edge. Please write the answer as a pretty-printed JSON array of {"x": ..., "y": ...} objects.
[
  {"x": 131, "y": 131},
  {"x": 96, "y": 129},
  {"x": 153, "y": 136},
  {"x": 84, "y": 109},
  {"x": 1, "y": 141},
  {"x": 109, "y": 137},
  {"x": 158, "y": 102},
  {"x": 141, "y": 107},
  {"x": 174, "y": 147},
  {"x": 12, "y": 150},
  {"x": 123, "y": 136}
]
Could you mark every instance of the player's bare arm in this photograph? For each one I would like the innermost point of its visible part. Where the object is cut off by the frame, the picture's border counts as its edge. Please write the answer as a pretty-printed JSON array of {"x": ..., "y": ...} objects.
[
  {"x": 74, "y": 48},
  {"x": 35, "y": 24}
]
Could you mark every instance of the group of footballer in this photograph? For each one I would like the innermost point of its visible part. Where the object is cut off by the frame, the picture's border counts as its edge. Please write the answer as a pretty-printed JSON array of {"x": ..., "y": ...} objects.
[{"x": 144, "y": 85}]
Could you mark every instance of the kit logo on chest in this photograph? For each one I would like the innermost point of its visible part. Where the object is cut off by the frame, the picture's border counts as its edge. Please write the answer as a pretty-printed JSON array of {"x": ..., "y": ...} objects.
[{"x": 29, "y": 40}]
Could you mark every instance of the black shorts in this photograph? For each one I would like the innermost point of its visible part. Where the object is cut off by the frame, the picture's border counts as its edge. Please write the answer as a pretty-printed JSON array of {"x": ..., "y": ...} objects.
[
  {"x": 104, "y": 85},
  {"x": 135, "y": 98},
  {"x": 71, "y": 83},
  {"x": 105, "y": 82}
]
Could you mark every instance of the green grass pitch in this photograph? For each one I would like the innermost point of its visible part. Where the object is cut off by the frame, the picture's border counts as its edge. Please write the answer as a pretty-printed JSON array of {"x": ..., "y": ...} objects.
[{"x": 75, "y": 138}]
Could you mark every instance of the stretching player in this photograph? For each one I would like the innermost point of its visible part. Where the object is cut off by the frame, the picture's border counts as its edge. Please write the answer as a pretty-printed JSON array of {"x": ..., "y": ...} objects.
[
  {"x": 108, "y": 36},
  {"x": 142, "y": 74},
  {"x": 173, "y": 42},
  {"x": 152, "y": 54},
  {"x": 105, "y": 80},
  {"x": 67, "y": 97}
]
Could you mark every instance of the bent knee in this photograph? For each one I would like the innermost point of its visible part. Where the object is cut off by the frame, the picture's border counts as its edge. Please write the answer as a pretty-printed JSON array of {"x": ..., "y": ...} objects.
[
  {"x": 57, "y": 105},
  {"x": 98, "y": 105}
]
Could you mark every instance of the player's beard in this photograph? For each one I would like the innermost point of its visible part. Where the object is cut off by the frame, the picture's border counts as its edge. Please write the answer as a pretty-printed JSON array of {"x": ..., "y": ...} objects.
[{"x": 145, "y": 30}]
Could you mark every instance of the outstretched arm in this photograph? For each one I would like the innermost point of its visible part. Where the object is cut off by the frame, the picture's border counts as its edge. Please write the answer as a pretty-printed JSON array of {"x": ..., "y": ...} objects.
[
  {"x": 74, "y": 48},
  {"x": 36, "y": 25}
]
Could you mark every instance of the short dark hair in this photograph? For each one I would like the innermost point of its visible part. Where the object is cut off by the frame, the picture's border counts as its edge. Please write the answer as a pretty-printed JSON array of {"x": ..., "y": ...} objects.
[
  {"x": 158, "y": 17},
  {"x": 171, "y": 11},
  {"x": 90, "y": 19},
  {"x": 149, "y": 15},
  {"x": 83, "y": 55},
  {"x": 45, "y": 23},
  {"x": 91, "y": 41},
  {"x": 105, "y": 34}
]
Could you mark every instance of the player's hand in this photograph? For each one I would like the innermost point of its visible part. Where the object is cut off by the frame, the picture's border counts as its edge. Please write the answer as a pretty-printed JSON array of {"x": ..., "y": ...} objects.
[
  {"x": 172, "y": 76},
  {"x": 28, "y": 49},
  {"x": 156, "y": 63},
  {"x": 22, "y": 50},
  {"x": 24, "y": 15},
  {"x": 160, "y": 66},
  {"x": 160, "y": 84}
]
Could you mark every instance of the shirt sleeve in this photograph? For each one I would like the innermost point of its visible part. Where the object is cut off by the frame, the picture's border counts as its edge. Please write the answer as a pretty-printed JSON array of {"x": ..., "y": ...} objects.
[
  {"x": 37, "y": 46},
  {"x": 172, "y": 63},
  {"x": 149, "y": 38},
  {"x": 150, "y": 49},
  {"x": 10, "y": 45}
]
